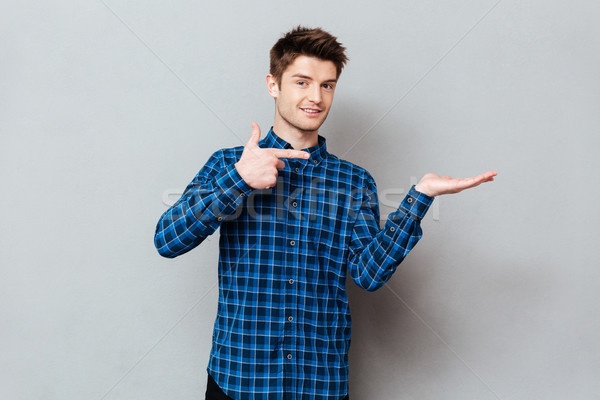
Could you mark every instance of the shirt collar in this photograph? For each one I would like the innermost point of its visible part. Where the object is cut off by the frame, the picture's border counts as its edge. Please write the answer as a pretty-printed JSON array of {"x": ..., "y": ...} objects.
[{"x": 317, "y": 152}]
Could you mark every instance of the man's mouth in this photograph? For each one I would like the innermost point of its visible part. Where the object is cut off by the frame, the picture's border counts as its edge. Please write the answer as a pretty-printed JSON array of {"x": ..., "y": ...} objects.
[{"x": 312, "y": 111}]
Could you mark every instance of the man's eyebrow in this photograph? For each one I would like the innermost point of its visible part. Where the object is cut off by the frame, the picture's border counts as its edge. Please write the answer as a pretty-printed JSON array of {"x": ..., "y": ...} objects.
[
  {"x": 309, "y": 78},
  {"x": 301, "y": 76}
]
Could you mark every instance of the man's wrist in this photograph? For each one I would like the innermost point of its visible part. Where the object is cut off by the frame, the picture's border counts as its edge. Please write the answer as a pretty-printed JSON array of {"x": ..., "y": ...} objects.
[
  {"x": 416, "y": 203},
  {"x": 241, "y": 172},
  {"x": 419, "y": 188}
]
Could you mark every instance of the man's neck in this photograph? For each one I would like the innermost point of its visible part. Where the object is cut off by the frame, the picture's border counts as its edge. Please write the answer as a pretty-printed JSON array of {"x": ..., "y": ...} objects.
[{"x": 297, "y": 138}]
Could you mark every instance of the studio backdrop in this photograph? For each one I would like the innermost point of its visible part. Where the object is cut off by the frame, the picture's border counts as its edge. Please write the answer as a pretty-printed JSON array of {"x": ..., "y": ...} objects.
[{"x": 108, "y": 109}]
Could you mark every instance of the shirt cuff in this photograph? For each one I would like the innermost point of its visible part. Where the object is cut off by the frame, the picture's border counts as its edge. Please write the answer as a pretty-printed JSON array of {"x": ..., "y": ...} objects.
[
  {"x": 416, "y": 204},
  {"x": 231, "y": 184}
]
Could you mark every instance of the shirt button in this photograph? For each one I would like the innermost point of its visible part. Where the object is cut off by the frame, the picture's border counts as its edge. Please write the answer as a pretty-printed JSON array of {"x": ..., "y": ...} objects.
[
  {"x": 409, "y": 199},
  {"x": 289, "y": 356},
  {"x": 294, "y": 204},
  {"x": 242, "y": 194},
  {"x": 291, "y": 281},
  {"x": 290, "y": 318},
  {"x": 220, "y": 219},
  {"x": 292, "y": 242},
  {"x": 315, "y": 161},
  {"x": 297, "y": 169},
  {"x": 392, "y": 229}
]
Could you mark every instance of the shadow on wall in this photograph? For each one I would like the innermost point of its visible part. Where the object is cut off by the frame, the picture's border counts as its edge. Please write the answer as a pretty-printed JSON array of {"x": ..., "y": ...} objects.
[{"x": 444, "y": 329}]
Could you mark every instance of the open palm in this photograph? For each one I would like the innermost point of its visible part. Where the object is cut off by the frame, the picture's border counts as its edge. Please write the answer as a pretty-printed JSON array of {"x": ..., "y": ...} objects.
[{"x": 435, "y": 185}]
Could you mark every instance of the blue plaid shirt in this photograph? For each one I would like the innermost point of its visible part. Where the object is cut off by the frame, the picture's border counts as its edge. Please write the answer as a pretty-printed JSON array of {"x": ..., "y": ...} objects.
[{"x": 282, "y": 329}]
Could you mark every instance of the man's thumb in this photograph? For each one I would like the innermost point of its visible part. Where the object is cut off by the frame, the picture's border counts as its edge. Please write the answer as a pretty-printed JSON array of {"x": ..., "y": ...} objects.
[{"x": 255, "y": 137}]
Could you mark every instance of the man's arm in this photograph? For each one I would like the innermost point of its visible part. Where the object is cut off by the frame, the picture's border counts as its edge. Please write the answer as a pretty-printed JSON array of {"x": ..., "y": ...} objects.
[
  {"x": 376, "y": 253},
  {"x": 215, "y": 193}
]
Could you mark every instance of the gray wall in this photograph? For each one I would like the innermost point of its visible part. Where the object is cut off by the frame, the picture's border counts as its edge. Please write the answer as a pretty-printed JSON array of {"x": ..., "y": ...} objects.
[{"x": 106, "y": 107}]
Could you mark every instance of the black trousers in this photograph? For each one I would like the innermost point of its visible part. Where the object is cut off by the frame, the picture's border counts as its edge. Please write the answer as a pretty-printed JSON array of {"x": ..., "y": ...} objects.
[{"x": 214, "y": 392}]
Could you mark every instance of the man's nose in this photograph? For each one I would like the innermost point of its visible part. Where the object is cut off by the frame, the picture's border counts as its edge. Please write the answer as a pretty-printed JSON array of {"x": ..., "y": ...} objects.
[{"x": 314, "y": 94}]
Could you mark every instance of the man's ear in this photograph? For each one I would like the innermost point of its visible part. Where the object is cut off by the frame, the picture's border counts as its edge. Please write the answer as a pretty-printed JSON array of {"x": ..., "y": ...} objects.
[{"x": 272, "y": 86}]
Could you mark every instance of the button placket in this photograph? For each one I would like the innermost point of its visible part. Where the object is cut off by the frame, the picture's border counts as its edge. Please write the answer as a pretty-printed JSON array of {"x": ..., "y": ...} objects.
[{"x": 292, "y": 230}]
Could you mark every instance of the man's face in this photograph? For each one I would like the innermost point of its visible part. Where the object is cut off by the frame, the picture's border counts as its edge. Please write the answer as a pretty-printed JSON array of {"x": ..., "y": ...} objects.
[{"x": 304, "y": 97}]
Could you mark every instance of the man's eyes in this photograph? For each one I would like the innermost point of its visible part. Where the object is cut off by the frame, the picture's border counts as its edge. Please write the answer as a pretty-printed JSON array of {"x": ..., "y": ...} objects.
[{"x": 327, "y": 86}]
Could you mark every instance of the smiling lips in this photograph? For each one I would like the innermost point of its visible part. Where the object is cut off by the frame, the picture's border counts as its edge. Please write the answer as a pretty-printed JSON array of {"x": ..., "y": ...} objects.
[{"x": 311, "y": 111}]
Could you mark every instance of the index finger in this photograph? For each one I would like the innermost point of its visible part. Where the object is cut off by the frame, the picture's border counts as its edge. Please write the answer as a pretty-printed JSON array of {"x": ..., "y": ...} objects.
[
  {"x": 287, "y": 153},
  {"x": 487, "y": 176}
]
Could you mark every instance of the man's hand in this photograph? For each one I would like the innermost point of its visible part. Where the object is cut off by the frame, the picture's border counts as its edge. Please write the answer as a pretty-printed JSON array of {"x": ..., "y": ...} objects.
[
  {"x": 435, "y": 185},
  {"x": 259, "y": 167}
]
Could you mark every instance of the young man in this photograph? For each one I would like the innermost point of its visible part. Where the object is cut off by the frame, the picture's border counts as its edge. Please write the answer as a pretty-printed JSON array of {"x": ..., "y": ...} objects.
[{"x": 293, "y": 219}]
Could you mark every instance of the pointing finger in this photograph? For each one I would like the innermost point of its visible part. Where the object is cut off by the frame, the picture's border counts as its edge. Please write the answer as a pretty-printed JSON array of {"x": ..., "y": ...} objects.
[{"x": 286, "y": 153}]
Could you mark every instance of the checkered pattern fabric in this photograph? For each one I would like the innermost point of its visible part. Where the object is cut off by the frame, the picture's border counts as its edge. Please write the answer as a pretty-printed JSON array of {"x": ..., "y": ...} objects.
[{"x": 282, "y": 329}]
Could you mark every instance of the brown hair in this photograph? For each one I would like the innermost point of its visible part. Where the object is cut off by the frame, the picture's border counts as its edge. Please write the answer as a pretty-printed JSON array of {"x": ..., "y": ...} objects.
[{"x": 309, "y": 42}]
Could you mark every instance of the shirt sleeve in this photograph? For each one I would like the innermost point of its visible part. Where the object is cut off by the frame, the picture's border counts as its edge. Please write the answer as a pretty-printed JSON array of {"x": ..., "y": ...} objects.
[
  {"x": 376, "y": 252},
  {"x": 216, "y": 192}
]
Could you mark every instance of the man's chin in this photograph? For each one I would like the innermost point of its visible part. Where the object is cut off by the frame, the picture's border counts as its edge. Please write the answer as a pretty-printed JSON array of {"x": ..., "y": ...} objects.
[
  {"x": 303, "y": 125},
  {"x": 311, "y": 127},
  {"x": 308, "y": 129}
]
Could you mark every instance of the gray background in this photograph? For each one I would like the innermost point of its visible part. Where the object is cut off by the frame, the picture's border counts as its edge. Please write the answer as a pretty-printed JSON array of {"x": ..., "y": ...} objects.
[{"x": 106, "y": 107}]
